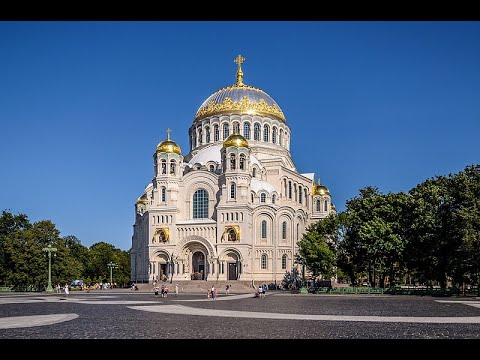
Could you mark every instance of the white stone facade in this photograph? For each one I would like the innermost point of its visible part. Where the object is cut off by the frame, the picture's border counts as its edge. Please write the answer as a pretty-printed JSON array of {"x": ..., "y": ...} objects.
[{"x": 228, "y": 210}]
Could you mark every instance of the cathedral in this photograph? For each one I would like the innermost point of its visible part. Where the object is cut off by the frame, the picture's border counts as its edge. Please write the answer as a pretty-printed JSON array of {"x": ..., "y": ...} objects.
[{"x": 234, "y": 207}]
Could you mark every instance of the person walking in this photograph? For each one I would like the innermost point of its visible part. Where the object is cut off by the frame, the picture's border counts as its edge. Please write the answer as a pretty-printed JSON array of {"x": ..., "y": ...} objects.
[
  {"x": 212, "y": 292},
  {"x": 176, "y": 289},
  {"x": 66, "y": 289},
  {"x": 227, "y": 289}
]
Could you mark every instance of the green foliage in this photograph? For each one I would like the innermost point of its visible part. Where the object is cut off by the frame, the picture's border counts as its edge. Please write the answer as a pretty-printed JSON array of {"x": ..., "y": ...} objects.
[
  {"x": 431, "y": 234},
  {"x": 317, "y": 247},
  {"x": 292, "y": 279},
  {"x": 24, "y": 264}
]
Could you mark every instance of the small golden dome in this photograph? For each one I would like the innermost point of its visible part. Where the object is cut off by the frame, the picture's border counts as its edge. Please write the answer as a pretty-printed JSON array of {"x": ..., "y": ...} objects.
[
  {"x": 142, "y": 199},
  {"x": 320, "y": 190},
  {"x": 169, "y": 146},
  {"x": 235, "y": 140}
]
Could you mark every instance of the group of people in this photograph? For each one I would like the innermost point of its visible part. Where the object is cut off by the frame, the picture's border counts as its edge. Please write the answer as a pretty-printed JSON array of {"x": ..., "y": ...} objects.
[
  {"x": 65, "y": 289},
  {"x": 213, "y": 293},
  {"x": 262, "y": 290},
  {"x": 163, "y": 290}
]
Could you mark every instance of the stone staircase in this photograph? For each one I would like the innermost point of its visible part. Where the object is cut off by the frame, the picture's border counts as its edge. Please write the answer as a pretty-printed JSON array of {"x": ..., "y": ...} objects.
[{"x": 202, "y": 286}]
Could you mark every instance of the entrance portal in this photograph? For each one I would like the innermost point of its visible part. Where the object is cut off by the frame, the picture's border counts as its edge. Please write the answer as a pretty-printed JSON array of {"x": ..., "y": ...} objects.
[
  {"x": 163, "y": 271},
  {"x": 198, "y": 264},
  {"x": 232, "y": 271}
]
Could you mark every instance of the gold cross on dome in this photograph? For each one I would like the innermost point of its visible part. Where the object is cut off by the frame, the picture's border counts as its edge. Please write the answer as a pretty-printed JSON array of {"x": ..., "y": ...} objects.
[
  {"x": 239, "y": 60},
  {"x": 168, "y": 133}
]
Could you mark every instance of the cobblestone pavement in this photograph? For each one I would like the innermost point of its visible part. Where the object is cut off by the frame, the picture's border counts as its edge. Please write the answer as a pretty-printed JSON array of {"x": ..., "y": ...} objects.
[{"x": 122, "y": 314}]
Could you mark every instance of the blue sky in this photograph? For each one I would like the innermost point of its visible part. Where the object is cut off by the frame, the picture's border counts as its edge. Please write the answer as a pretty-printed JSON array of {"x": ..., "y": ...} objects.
[{"x": 83, "y": 106}]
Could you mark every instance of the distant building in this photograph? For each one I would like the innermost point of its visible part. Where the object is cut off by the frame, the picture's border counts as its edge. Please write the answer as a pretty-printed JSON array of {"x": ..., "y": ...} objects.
[{"x": 235, "y": 206}]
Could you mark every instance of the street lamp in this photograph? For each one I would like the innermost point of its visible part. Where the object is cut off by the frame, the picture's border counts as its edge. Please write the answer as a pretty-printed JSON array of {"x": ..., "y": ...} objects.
[
  {"x": 49, "y": 249},
  {"x": 112, "y": 266}
]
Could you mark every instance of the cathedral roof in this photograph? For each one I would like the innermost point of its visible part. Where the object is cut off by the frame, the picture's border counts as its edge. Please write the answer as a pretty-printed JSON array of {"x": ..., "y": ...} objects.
[
  {"x": 257, "y": 185},
  {"x": 212, "y": 153},
  {"x": 240, "y": 99}
]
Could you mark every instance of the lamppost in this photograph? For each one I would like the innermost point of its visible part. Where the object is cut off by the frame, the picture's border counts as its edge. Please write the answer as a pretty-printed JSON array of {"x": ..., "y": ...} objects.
[
  {"x": 112, "y": 266},
  {"x": 49, "y": 249}
]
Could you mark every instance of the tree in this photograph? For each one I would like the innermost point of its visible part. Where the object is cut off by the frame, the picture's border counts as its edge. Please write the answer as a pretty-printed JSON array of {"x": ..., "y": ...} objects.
[
  {"x": 9, "y": 224},
  {"x": 374, "y": 240},
  {"x": 317, "y": 247}
]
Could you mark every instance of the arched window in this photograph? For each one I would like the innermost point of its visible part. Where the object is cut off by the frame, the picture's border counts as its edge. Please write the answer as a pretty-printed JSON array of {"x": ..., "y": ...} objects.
[
  {"x": 246, "y": 131},
  {"x": 263, "y": 198},
  {"x": 212, "y": 168},
  {"x": 252, "y": 197},
  {"x": 266, "y": 135},
  {"x": 236, "y": 128},
  {"x": 164, "y": 166},
  {"x": 226, "y": 131},
  {"x": 284, "y": 230},
  {"x": 254, "y": 172},
  {"x": 264, "y": 229},
  {"x": 164, "y": 194},
  {"x": 289, "y": 189},
  {"x": 232, "y": 161},
  {"x": 200, "y": 137},
  {"x": 274, "y": 135},
  {"x": 280, "y": 138},
  {"x": 318, "y": 205},
  {"x": 200, "y": 204},
  {"x": 326, "y": 205},
  {"x": 274, "y": 198},
  {"x": 264, "y": 262},
  {"x": 256, "y": 131},
  {"x": 232, "y": 191},
  {"x": 194, "y": 136},
  {"x": 284, "y": 261},
  {"x": 216, "y": 135},
  {"x": 242, "y": 162},
  {"x": 207, "y": 135},
  {"x": 300, "y": 198},
  {"x": 172, "y": 167}
]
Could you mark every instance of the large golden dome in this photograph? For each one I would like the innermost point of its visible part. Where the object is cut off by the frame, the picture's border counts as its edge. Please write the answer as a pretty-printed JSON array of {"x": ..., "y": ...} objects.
[
  {"x": 169, "y": 146},
  {"x": 235, "y": 140},
  {"x": 240, "y": 99}
]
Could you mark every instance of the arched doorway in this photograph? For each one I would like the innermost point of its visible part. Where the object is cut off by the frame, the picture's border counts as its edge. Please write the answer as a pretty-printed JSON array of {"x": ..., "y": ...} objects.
[
  {"x": 232, "y": 266},
  {"x": 198, "y": 265}
]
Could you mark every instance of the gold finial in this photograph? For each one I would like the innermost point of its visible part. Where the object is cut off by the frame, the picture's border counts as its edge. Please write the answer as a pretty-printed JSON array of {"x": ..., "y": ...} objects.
[
  {"x": 168, "y": 133},
  {"x": 239, "y": 60}
]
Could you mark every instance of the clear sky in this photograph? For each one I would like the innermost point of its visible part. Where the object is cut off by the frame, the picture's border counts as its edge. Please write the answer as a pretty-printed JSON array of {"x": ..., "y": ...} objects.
[{"x": 83, "y": 106}]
